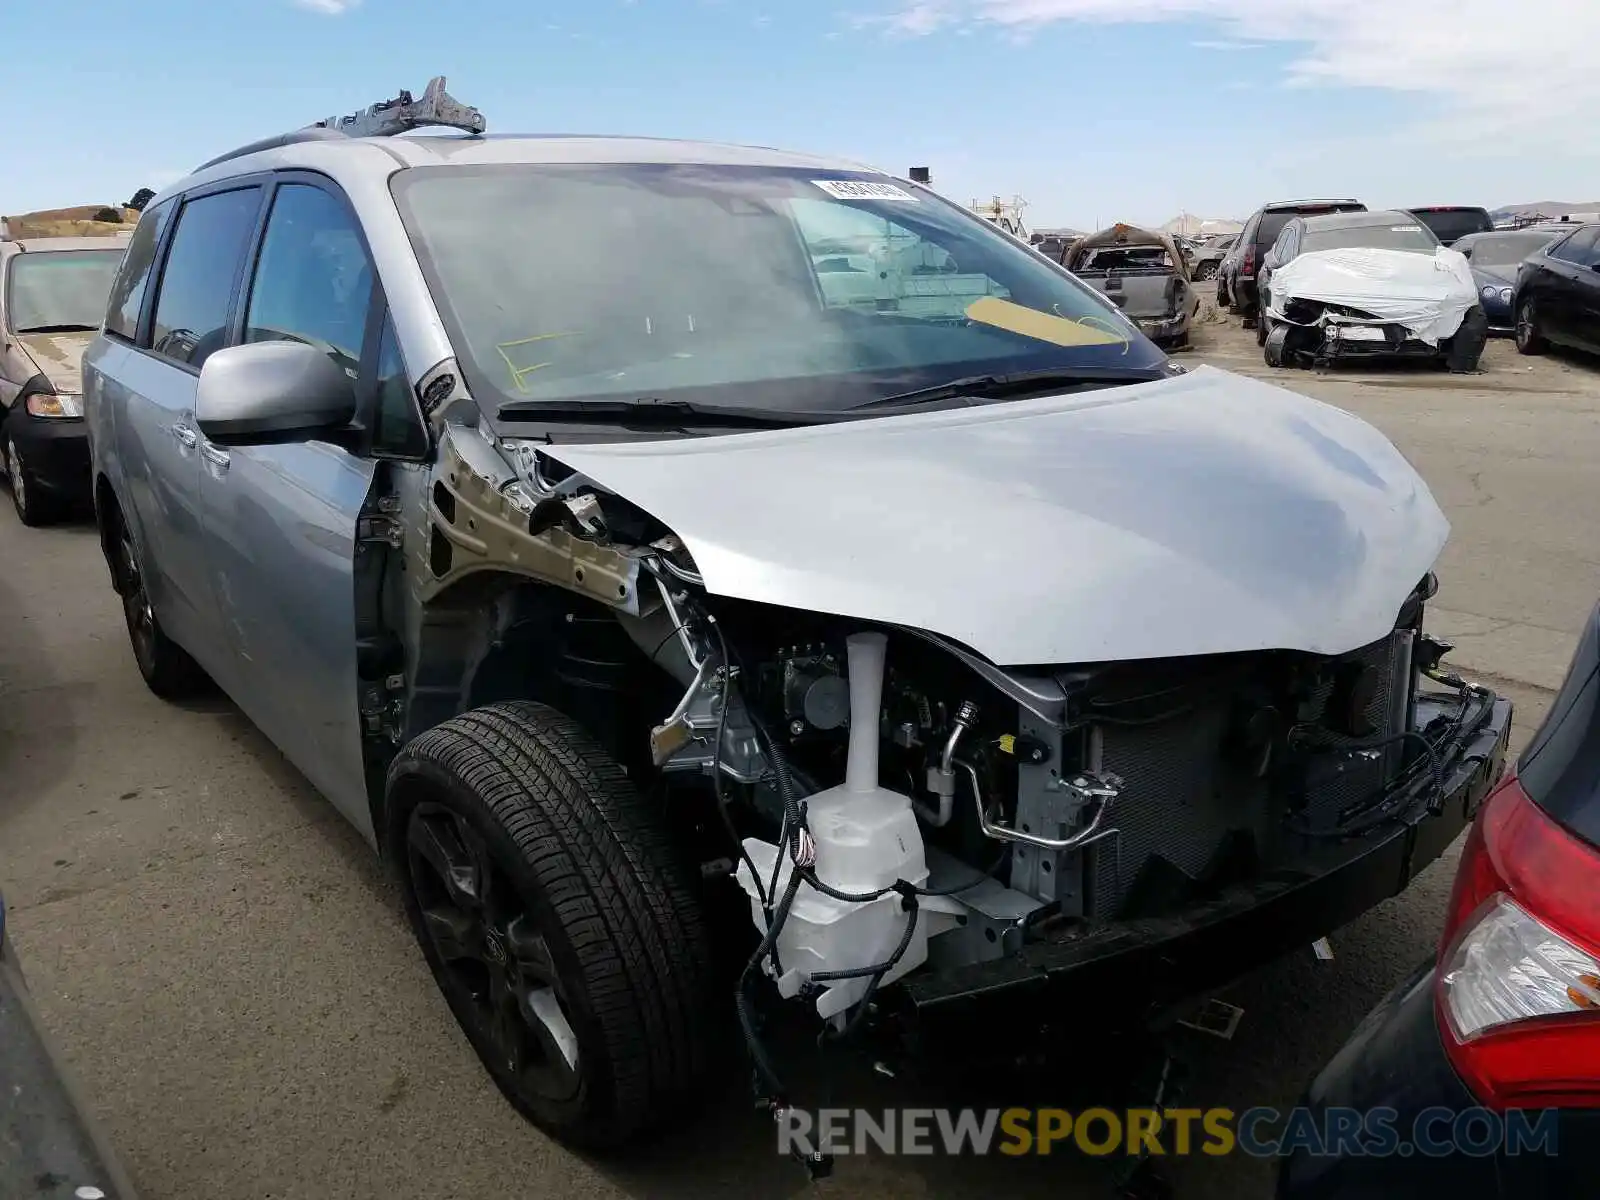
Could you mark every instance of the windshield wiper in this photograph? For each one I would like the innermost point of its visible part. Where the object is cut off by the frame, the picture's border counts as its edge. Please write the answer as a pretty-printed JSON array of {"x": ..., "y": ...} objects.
[
  {"x": 69, "y": 328},
  {"x": 1018, "y": 383},
  {"x": 659, "y": 414}
]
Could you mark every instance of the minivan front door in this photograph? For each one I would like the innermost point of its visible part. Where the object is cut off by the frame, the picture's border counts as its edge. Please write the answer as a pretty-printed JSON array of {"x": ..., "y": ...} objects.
[{"x": 281, "y": 520}]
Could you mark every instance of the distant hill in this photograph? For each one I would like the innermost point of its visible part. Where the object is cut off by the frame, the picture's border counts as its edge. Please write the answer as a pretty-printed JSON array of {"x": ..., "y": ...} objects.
[{"x": 1545, "y": 208}]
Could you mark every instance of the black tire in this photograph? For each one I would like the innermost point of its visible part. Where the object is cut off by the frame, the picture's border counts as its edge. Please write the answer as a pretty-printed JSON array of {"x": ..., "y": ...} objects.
[
  {"x": 1275, "y": 349},
  {"x": 1261, "y": 326},
  {"x": 586, "y": 871},
  {"x": 1527, "y": 336},
  {"x": 1206, "y": 270},
  {"x": 165, "y": 666},
  {"x": 35, "y": 507}
]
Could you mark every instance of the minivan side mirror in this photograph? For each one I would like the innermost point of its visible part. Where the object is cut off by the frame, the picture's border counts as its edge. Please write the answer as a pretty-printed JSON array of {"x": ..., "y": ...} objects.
[{"x": 272, "y": 392}]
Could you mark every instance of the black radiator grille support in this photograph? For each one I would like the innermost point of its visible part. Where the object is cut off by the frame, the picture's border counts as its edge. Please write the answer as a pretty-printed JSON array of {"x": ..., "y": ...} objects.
[{"x": 1185, "y": 808}]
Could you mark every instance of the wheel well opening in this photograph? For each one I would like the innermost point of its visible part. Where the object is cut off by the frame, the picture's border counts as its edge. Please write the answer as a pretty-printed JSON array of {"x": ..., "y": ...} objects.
[
  {"x": 494, "y": 637},
  {"x": 108, "y": 521}
]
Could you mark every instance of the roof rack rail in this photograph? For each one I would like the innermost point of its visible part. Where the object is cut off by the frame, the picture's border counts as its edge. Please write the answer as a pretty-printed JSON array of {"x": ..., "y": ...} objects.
[{"x": 437, "y": 108}]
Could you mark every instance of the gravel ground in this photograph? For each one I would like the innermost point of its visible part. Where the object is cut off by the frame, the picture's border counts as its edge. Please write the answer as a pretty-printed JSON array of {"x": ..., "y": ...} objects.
[{"x": 228, "y": 971}]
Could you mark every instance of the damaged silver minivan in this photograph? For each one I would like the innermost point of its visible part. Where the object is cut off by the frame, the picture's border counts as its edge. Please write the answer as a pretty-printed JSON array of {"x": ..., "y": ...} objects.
[{"x": 665, "y": 551}]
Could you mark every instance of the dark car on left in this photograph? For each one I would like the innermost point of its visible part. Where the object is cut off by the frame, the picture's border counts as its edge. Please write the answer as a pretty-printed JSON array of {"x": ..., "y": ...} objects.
[
  {"x": 1494, "y": 258},
  {"x": 1479, "y": 1075},
  {"x": 53, "y": 293},
  {"x": 1556, "y": 299},
  {"x": 50, "y": 1147}
]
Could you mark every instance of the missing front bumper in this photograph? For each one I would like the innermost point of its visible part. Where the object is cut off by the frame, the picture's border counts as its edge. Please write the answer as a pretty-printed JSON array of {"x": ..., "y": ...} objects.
[{"x": 1127, "y": 973}]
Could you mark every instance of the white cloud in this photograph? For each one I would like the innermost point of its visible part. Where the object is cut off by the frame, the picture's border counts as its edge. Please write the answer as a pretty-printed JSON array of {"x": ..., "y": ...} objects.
[
  {"x": 1489, "y": 73},
  {"x": 328, "y": 8},
  {"x": 1225, "y": 44}
]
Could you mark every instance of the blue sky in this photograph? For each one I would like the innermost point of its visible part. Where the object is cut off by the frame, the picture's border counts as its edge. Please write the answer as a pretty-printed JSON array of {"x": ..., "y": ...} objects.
[{"x": 1095, "y": 110}]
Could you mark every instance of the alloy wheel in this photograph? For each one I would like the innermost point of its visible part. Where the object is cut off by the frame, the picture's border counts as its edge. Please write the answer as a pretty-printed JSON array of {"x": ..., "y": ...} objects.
[
  {"x": 492, "y": 951},
  {"x": 1525, "y": 331},
  {"x": 19, "y": 486}
]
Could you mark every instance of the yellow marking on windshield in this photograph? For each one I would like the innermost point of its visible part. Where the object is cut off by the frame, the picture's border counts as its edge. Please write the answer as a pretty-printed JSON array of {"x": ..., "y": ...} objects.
[
  {"x": 518, "y": 374},
  {"x": 1042, "y": 326}
]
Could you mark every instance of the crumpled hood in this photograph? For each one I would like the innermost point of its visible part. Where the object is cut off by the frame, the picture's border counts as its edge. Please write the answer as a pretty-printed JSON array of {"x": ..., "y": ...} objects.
[
  {"x": 59, "y": 357},
  {"x": 1198, "y": 514},
  {"x": 1429, "y": 294}
]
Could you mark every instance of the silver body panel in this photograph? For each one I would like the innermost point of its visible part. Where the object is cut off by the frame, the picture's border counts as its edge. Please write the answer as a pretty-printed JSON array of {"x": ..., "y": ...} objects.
[
  {"x": 280, "y": 532},
  {"x": 1201, "y": 514}
]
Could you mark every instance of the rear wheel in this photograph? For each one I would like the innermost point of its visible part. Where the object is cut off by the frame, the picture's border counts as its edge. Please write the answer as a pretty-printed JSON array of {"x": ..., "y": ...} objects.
[
  {"x": 166, "y": 667},
  {"x": 555, "y": 919},
  {"x": 1528, "y": 338},
  {"x": 1206, "y": 270}
]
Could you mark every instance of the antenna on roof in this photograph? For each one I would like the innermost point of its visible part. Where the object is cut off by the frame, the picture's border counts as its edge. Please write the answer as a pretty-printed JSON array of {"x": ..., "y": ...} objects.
[{"x": 437, "y": 108}]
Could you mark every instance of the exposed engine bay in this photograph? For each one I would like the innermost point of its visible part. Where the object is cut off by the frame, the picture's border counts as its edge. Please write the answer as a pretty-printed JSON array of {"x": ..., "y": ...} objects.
[{"x": 894, "y": 802}]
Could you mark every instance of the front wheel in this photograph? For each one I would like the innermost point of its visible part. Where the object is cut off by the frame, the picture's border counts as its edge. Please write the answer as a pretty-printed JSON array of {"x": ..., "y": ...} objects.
[
  {"x": 1528, "y": 338},
  {"x": 555, "y": 919},
  {"x": 1276, "y": 347},
  {"x": 34, "y": 506},
  {"x": 1206, "y": 270}
]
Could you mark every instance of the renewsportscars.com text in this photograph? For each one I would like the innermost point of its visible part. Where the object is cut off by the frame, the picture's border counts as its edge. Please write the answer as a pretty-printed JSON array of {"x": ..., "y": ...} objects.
[{"x": 1258, "y": 1132}]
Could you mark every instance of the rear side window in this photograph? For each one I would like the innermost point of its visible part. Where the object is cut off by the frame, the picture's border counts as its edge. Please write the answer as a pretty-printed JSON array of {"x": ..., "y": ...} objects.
[
  {"x": 1271, "y": 226},
  {"x": 313, "y": 280},
  {"x": 128, "y": 289},
  {"x": 197, "y": 284}
]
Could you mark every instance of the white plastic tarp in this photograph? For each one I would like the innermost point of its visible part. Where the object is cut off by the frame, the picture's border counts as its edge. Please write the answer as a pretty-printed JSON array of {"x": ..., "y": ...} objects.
[{"x": 1428, "y": 294}]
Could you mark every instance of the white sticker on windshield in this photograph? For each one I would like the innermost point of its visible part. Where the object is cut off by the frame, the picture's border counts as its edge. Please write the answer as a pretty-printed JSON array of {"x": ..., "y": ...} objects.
[
  {"x": 1405, "y": 229},
  {"x": 857, "y": 189}
]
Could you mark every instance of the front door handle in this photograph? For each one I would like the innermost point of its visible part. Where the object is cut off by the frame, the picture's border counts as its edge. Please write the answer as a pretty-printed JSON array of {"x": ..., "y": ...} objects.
[
  {"x": 187, "y": 437},
  {"x": 216, "y": 456}
]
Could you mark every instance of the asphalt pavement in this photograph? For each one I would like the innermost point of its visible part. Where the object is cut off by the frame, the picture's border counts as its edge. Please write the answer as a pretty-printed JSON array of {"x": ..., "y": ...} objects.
[{"x": 228, "y": 971}]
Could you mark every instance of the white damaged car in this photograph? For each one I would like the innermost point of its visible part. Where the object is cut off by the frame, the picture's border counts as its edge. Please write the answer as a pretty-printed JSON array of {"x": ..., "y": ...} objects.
[
  {"x": 1368, "y": 285},
  {"x": 934, "y": 650}
]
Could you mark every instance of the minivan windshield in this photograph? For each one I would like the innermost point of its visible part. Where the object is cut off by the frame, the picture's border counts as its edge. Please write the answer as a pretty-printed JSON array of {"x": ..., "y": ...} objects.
[
  {"x": 60, "y": 290},
  {"x": 759, "y": 287}
]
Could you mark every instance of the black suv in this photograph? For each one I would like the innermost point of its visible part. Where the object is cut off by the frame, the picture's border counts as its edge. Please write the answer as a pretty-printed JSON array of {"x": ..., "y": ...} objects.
[
  {"x": 1452, "y": 222},
  {"x": 1236, "y": 281}
]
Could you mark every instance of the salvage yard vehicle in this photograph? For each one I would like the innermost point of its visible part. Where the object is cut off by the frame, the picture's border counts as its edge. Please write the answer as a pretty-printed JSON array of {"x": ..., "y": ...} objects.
[
  {"x": 1494, "y": 258},
  {"x": 1144, "y": 274},
  {"x": 1236, "y": 278},
  {"x": 53, "y": 288},
  {"x": 1556, "y": 297},
  {"x": 617, "y": 581},
  {"x": 1369, "y": 285},
  {"x": 1450, "y": 223},
  {"x": 1507, "y": 1014},
  {"x": 50, "y": 1144},
  {"x": 1210, "y": 256}
]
